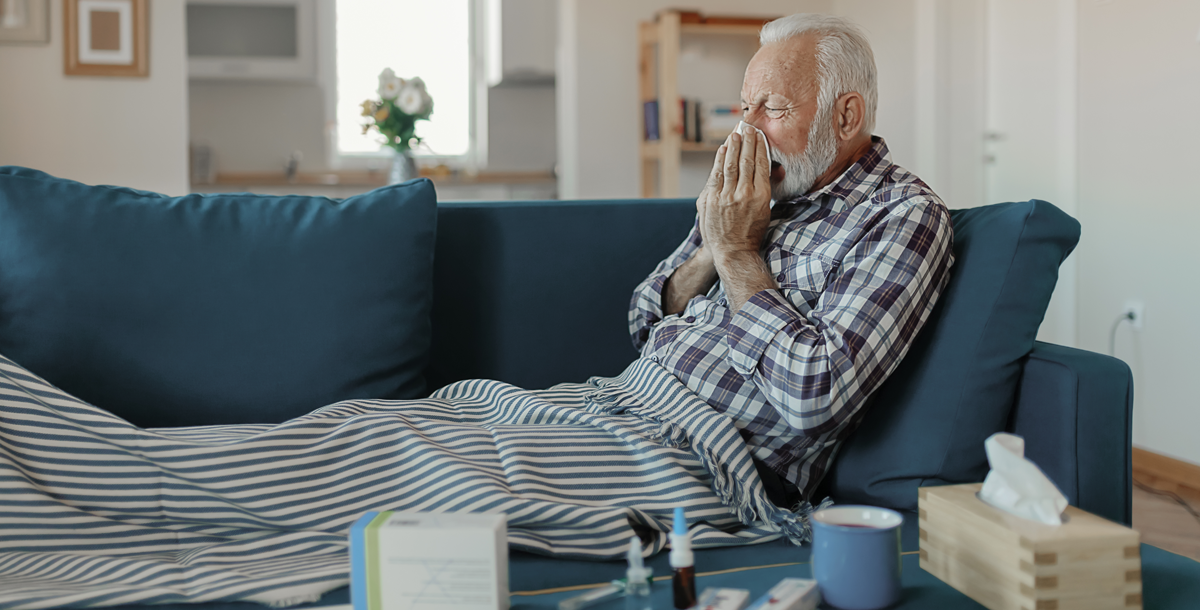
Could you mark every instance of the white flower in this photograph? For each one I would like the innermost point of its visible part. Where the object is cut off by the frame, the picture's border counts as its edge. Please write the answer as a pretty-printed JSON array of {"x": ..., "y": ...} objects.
[
  {"x": 389, "y": 84},
  {"x": 411, "y": 101},
  {"x": 418, "y": 83}
]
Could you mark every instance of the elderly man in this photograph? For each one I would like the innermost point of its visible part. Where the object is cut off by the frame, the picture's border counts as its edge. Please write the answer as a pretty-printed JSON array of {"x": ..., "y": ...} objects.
[{"x": 807, "y": 274}]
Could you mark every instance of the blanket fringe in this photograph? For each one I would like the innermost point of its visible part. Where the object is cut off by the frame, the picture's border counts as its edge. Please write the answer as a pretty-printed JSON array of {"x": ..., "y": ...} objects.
[{"x": 751, "y": 505}]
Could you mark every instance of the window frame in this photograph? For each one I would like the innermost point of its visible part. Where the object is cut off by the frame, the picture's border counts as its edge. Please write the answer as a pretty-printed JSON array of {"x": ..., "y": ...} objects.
[{"x": 476, "y": 156}]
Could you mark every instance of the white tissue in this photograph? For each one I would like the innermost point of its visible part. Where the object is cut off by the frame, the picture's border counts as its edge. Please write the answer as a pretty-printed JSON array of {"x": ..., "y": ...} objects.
[
  {"x": 1016, "y": 485},
  {"x": 743, "y": 127}
]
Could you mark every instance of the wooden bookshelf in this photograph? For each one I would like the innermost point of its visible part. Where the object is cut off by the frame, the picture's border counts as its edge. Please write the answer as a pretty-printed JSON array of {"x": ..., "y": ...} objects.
[{"x": 658, "y": 79}]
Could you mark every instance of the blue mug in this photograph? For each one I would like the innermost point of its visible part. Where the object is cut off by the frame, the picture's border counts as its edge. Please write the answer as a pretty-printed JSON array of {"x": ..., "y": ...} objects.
[{"x": 856, "y": 556}]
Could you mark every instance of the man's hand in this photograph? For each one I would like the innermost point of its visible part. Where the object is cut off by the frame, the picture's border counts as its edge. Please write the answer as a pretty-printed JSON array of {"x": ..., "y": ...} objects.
[
  {"x": 735, "y": 206},
  {"x": 735, "y": 212}
]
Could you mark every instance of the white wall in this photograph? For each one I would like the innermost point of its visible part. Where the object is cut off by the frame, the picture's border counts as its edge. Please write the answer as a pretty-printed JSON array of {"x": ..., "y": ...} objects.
[
  {"x": 950, "y": 98},
  {"x": 254, "y": 127},
  {"x": 98, "y": 130},
  {"x": 1139, "y": 91},
  {"x": 521, "y": 129}
]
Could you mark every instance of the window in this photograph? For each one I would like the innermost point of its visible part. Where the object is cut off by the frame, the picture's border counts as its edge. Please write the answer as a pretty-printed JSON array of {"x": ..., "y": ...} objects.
[{"x": 431, "y": 40}]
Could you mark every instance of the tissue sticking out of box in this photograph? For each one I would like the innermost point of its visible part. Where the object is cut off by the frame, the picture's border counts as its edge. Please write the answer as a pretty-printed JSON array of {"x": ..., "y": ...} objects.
[{"x": 1016, "y": 485}]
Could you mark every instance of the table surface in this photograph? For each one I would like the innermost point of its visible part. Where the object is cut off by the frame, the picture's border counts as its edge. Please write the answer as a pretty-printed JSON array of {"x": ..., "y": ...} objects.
[{"x": 1170, "y": 582}]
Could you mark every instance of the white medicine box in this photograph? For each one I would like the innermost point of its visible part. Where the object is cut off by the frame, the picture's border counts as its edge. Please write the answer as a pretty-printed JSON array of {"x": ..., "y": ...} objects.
[{"x": 419, "y": 561}]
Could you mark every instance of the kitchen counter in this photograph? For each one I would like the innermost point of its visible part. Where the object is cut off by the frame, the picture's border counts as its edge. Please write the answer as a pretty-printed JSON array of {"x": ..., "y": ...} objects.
[{"x": 340, "y": 184}]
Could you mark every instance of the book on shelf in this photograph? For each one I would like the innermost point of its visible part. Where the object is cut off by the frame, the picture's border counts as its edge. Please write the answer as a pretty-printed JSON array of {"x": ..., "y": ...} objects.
[
  {"x": 650, "y": 120},
  {"x": 691, "y": 129},
  {"x": 691, "y": 120}
]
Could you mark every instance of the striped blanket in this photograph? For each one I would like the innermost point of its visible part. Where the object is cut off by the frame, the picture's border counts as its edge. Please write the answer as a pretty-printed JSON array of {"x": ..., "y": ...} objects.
[{"x": 95, "y": 511}]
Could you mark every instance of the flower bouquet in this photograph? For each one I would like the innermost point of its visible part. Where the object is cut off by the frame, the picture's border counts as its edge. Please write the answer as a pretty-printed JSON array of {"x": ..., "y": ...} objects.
[{"x": 395, "y": 114}]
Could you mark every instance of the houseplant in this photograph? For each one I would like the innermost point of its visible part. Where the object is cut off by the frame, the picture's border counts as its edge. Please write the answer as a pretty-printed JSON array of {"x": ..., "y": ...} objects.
[{"x": 394, "y": 115}]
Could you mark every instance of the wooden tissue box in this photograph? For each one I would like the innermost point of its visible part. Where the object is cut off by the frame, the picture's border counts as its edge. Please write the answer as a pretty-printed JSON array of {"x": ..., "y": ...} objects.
[{"x": 1008, "y": 563}]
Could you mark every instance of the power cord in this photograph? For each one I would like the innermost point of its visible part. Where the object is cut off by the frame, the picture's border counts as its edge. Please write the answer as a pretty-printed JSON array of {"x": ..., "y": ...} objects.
[
  {"x": 1112, "y": 333},
  {"x": 1172, "y": 496}
]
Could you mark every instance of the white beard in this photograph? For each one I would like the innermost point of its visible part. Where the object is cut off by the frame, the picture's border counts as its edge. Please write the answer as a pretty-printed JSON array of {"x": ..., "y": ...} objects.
[{"x": 801, "y": 170}]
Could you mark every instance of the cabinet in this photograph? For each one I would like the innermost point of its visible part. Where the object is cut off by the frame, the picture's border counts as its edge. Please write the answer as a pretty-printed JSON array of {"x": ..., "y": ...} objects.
[
  {"x": 660, "y": 43},
  {"x": 521, "y": 42},
  {"x": 255, "y": 40}
]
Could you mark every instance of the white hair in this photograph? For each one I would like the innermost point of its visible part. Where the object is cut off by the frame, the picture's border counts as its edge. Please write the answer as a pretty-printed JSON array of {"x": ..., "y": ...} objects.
[{"x": 845, "y": 62}]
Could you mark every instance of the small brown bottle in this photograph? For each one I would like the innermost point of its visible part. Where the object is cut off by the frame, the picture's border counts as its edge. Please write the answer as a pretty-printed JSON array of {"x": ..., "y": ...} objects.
[{"x": 683, "y": 581}]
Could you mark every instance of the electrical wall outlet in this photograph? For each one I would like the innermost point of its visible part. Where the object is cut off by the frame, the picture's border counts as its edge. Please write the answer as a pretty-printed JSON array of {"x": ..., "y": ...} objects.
[{"x": 1136, "y": 312}]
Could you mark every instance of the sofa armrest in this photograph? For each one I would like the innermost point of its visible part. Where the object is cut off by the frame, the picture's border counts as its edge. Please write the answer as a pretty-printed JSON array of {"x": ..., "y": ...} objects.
[{"x": 1074, "y": 410}]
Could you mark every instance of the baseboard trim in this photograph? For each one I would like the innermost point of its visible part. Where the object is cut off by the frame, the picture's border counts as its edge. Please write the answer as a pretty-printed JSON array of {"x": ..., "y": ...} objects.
[{"x": 1166, "y": 473}]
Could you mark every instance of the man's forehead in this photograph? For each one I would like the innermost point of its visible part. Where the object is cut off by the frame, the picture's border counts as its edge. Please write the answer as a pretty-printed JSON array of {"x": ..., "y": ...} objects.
[{"x": 787, "y": 68}]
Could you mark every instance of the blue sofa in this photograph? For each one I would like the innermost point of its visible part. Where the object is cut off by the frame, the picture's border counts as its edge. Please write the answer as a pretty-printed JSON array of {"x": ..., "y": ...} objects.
[{"x": 395, "y": 294}]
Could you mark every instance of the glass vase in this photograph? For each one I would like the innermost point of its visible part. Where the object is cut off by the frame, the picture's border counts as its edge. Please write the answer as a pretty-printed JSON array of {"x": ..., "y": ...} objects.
[{"x": 403, "y": 169}]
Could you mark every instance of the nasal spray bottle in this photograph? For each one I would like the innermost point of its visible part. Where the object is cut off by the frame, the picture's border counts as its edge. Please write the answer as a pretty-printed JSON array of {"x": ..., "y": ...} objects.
[
  {"x": 637, "y": 578},
  {"x": 683, "y": 582}
]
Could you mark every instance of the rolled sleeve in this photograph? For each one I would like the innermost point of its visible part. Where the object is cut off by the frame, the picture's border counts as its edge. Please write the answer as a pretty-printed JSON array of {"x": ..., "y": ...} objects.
[
  {"x": 646, "y": 306},
  {"x": 645, "y": 309}
]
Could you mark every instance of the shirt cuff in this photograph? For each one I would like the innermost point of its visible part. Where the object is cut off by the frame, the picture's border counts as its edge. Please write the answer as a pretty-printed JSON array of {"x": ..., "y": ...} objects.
[
  {"x": 648, "y": 307},
  {"x": 755, "y": 325},
  {"x": 651, "y": 297}
]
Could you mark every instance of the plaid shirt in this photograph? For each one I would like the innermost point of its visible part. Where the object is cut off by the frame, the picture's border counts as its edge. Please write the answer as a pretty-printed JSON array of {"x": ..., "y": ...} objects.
[{"x": 859, "y": 264}]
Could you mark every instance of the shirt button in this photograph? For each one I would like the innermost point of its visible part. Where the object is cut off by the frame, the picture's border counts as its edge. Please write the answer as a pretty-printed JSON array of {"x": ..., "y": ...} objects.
[
  {"x": 722, "y": 302},
  {"x": 779, "y": 278},
  {"x": 690, "y": 319},
  {"x": 653, "y": 358}
]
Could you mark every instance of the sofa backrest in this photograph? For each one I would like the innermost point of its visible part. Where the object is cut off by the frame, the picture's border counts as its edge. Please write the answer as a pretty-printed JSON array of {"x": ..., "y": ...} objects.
[{"x": 536, "y": 293}]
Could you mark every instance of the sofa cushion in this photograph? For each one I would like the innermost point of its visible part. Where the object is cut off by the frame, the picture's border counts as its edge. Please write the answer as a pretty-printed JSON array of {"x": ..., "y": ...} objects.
[
  {"x": 224, "y": 308},
  {"x": 957, "y": 385}
]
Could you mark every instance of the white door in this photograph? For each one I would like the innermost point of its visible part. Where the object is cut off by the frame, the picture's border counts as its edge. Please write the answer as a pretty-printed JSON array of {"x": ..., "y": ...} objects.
[{"x": 1031, "y": 113}]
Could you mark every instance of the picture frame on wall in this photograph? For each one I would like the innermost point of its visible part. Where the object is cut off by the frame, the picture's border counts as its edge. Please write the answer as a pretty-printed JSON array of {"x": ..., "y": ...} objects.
[
  {"x": 24, "y": 21},
  {"x": 106, "y": 38}
]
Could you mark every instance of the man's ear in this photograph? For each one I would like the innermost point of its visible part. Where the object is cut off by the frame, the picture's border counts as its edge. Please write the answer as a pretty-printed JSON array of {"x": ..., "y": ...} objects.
[{"x": 848, "y": 112}]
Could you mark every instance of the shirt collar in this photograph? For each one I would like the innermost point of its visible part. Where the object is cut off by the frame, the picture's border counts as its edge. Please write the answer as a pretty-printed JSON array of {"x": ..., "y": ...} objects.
[{"x": 853, "y": 186}]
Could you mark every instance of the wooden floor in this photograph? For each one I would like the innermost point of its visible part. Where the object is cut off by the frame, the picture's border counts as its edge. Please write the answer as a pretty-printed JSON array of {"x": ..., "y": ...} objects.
[{"x": 1165, "y": 524}]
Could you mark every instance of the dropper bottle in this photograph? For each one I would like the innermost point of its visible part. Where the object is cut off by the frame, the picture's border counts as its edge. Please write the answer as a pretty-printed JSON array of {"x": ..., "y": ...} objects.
[
  {"x": 637, "y": 578},
  {"x": 683, "y": 581}
]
